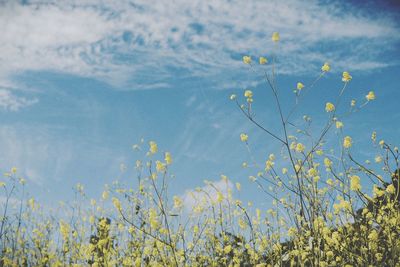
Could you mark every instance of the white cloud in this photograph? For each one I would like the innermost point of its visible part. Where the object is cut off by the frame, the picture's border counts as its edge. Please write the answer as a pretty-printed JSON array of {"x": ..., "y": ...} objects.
[
  {"x": 12, "y": 102},
  {"x": 137, "y": 44},
  {"x": 206, "y": 194}
]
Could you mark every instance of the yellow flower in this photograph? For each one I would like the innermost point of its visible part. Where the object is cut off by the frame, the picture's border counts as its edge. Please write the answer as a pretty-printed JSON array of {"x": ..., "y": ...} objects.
[
  {"x": 284, "y": 170},
  {"x": 238, "y": 186},
  {"x": 347, "y": 142},
  {"x": 300, "y": 86},
  {"x": 160, "y": 167},
  {"x": 326, "y": 67},
  {"x": 339, "y": 124},
  {"x": 220, "y": 197},
  {"x": 244, "y": 137},
  {"x": 346, "y": 77},
  {"x": 391, "y": 189},
  {"x": 355, "y": 183},
  {"x": 248, "y": 93},
  {"x": 382, "y": 142},
  {"x": 246, "y": 59},
  {"x": 168, "y": 158},
  {"x": 329, "y": 107},
  {"x": 373, "y": 136},
  {"x": 300, "y": 147},
  {"x": 117, "y": 203},
  {"x": 378, "y": 192},
  {"x": 105, "y": 195},
  {"x": 233, "y": 97},
  {"x": 275, "y": 37},
  {"x": 370, "y": 96},
  {"x": 373, "y": 236},
  {"x": 178, "y": 203},
  {"x": 64, "y": 230},
  {"x": 263, "y": 61},
  {"x": 227, "y": 249},
  {"x": 378, "y": 159},
  {"x": 14, "y": 170},
  {"x": 153, "y": 147},
  {"x": 327, "y": 162}
]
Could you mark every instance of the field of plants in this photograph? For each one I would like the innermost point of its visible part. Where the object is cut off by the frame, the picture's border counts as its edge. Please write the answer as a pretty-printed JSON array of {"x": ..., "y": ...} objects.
[{"x": 321, "y": 214}]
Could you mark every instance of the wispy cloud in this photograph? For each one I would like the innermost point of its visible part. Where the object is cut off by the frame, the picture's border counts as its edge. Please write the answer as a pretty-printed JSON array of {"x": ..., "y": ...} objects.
[
  {"x": 207, "y": 194},
  {"x": 12, "y": 102},
  {"x": 143, "y": 44}
]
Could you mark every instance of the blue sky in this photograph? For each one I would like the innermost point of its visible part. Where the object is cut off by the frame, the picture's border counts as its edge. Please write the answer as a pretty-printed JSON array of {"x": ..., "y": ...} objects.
[{"x": 82, "y": 81}]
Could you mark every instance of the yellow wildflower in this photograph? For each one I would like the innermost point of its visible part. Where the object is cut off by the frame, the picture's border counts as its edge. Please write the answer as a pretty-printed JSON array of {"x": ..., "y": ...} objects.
[
  {"x": 300, "y": 86},
  {"x": 300, "y": 147},
  {"x": 327, "y": 162},
  {"x": 168, "y": 158},
  {"x": 339, "y": 124},
  {"x": 117, "y": 203},
  {"x": 275, "y": 37},
  {"x": 220, "y": 197},
  {"x": 244, "y": 137},
  {"x": 391, "y": 189},
  {"x": 105, "y": 195},
  {"x": 227, "y": 249},
  {"x": 373, "y": 136},
  {"x": 347, "y": 142},
  {"x": 246, "y": 59},
  {"x": 329, "y": 107},
  {"x": 355, "y": 183},
  {"x": 160, "y": 167},
  {"x": 178, "y": 203},
  {"x": 370, "y": 96},
  {"x": 326, "y": 67},
  {"x": 153, "y": 147},
  {"x": 263, "y": 61},
  {"x": 346, "y": 77},
  {"x": 248, "y": 93},
  {"x": 238, "y": 186}
]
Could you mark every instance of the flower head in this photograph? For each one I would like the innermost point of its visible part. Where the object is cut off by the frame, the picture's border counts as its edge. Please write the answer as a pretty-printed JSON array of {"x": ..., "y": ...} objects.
[
  {"x": 346, "y": 77},
  {"x": 275, "y": 37},
  {"x": 355, "y": 183},
  {"x": 244, "y": 137},
  {"x": 347, "y": 142},
  {"x": 329, "y": 107},
  {"x": 263, "y": 61},
  {"x": 178, "y": 203},
  {"x": 300, "y": 147},
  {"x": 153, "y": 147},
  {"x": 248, "y": 93},
  {"x": 370, "y": 96},
  {"x": 391, "y": 189},
  {"x": 326, "y": 67},
  {"x": 168, "y": 158},
  {"x": 300, "y": 86},
  {"x": 246, "y": 59},
  {"x": 339, "y": 124}
]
